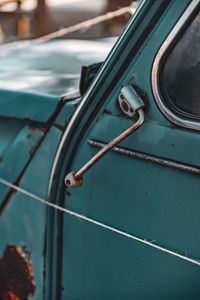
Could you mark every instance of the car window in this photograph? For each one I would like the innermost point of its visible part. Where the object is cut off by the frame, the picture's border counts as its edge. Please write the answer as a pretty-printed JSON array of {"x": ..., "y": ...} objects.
[{"x": 180, "y": 79}]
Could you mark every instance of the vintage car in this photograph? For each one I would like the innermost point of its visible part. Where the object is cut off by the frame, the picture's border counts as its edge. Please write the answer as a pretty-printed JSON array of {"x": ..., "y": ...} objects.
[{"x": 100, "y": 188}]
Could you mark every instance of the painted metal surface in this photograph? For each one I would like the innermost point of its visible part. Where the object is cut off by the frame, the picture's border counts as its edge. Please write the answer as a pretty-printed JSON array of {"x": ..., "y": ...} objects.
[
  {"x": 76, "y": 259},
  {"x": 51, "y": 68},
  {"x": 23, "y": 220},
  {"x": 32, "y": 117},
  {"x": 151, "y": 201},
  {"x": 17, "y": 155},
  {"x": 12, "y": 102},
  {"x": 37, "y": 76}
]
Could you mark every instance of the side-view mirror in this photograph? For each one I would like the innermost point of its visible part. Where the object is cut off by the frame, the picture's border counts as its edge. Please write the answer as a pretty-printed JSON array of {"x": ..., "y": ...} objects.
[{"x": 87, "y": 75}]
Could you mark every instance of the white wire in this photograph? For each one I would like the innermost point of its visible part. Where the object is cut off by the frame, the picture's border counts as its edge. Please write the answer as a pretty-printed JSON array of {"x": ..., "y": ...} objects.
[{"x": 82, "y": 217}]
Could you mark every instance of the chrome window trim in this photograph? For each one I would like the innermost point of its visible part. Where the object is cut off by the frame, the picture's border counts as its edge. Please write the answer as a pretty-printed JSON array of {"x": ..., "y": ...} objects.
[{"x": 156, "y": 68}]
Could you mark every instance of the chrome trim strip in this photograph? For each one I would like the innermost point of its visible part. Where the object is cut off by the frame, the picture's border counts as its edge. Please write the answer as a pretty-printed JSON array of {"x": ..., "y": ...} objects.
[
  {"x": 66, "y": 132},
  {"x": 149, "y": 157},
  {"x": 156, "y": 66}
]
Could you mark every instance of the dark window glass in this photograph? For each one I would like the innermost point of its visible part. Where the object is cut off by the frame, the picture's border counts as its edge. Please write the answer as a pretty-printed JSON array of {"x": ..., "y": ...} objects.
[{"x": 181, "y": 73}]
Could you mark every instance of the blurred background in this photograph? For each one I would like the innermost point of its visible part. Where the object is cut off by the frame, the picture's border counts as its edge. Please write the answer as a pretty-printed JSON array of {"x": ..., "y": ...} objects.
[{"x": 24, "y": 19}]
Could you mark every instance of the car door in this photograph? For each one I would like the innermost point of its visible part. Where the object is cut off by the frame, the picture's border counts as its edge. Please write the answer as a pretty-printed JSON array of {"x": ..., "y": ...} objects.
[{"x": 131, "y": 230}]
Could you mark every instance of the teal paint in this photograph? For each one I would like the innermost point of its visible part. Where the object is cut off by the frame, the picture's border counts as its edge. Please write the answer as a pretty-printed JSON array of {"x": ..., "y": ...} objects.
[
  {"x": 17, "y": 155},
  {"x": 150, "y": 201},
  {"x": 9, "y": 128},
  {"x": 67, "y": 112},
  {"x": 153, "y": 202},
  {"x": 27, "y": 106},
  {"x": 23, "y": 220},
  {"x": 32, "y": 80}
]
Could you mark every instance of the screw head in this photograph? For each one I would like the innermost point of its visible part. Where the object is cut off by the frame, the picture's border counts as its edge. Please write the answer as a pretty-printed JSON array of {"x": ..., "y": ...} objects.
[{"x": 72, "y": 181}]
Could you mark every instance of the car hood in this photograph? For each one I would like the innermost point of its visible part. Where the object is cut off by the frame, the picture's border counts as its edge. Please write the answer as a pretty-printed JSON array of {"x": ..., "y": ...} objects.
[{"x": 51, "y": 68}]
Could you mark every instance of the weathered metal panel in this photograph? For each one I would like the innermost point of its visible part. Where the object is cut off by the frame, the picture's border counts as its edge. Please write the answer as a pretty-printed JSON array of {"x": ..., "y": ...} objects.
[
  {"x": 68, "y": 110},
  {"x": 144, "y": 199},
  {"x": 147, "y": 200},
  {"x": 17, "y": 155},
  {"x": 23, "y": 221},
  {"x": 27, "y": 106},
  {"x": 9, "y": 128},
  {"x": 16, "y": 273}
]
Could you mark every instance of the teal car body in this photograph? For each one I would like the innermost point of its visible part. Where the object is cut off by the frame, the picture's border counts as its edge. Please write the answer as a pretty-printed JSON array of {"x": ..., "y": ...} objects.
[{"x": 131, "y": 230}]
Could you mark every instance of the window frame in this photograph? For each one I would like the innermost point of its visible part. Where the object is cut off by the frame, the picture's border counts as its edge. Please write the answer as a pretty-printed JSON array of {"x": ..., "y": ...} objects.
[{"x": 158, "y": 67}]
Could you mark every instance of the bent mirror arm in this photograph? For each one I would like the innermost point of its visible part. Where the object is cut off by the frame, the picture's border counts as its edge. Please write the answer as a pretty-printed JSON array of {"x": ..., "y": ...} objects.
[{"x": 131, "y": 104}]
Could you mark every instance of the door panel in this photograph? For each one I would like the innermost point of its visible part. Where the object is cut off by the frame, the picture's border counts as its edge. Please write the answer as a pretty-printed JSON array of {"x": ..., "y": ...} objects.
[
  {"x": 147, "y": 200},
  {"x": 137, "y": 190},
  {"x": 102, "y": 265},
  {"x": 150, "y": 201}
]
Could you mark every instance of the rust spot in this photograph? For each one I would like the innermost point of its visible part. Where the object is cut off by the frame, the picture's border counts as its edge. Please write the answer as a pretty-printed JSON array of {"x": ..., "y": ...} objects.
[
  {"x": 16, "y": 274},
  {"x": 33, "y": 128},
  {"x": 34, "y": 148}
]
